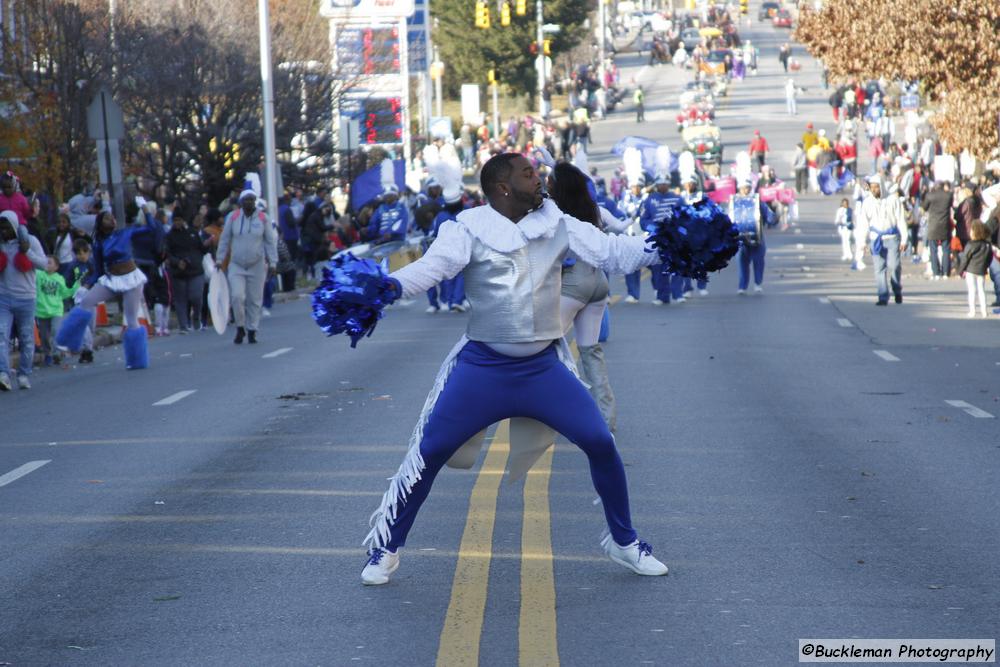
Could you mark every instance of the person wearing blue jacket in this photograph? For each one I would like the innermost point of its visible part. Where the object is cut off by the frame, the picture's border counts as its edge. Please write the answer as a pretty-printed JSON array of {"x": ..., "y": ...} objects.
[
  {"x": 451, "y": 290},
  {"x": 750, "y": 215},
  {"x": 391, "y": 221},
  {"x": 661, "y": 203},
  {"x": 116, "y": 274}
]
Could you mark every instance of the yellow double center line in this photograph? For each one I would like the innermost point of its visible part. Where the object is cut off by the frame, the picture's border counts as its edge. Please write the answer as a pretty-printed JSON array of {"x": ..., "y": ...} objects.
[{"x": 463, "y": 625}]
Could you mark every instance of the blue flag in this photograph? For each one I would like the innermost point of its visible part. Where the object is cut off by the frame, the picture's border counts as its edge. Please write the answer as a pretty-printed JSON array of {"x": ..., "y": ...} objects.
[
  {"x": 829, "y": 183},
  {"x": 368, "y": 185}
]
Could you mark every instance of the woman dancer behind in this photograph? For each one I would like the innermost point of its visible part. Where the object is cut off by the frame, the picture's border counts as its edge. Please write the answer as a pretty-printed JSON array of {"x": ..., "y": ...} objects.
[
  {"x": 116, "y": 273},
  {"x": 584, "y": 288}
]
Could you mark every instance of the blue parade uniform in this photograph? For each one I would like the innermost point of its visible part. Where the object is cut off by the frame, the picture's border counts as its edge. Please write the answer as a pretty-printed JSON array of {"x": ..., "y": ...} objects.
[
  {"x": 449, "y": 293},
  {"x": 693, "y": 198},
  {"x": 392, "y": 219},
  {"x": 749, "y": 214},
  {"x": 657, "y": 207},
  {"x": 631, "y": 206}
]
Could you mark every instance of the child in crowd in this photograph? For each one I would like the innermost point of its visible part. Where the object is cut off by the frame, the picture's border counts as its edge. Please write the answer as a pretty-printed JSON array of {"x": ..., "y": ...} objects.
[
  {"x": 973, "y": 264},
  {"x": 76, "y": 272},
  {"x": 51, "y": 291},
  {"x": 845, "y": 227}
]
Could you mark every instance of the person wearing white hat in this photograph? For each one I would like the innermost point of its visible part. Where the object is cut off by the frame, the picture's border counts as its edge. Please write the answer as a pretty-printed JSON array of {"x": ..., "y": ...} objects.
[
  {"x": 391, "y": 220},
  {"x": 248, "y": 253},
  {"x": 631, "y": 204},
  {"x": 750, "y": 215},
  {"x": 660, "y": 203},
  {"x": 884, "y": 217}
]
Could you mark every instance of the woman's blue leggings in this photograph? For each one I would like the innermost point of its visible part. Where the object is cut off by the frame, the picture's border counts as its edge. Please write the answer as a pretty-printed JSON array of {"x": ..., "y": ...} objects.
[{"x": 486, "y": 387}]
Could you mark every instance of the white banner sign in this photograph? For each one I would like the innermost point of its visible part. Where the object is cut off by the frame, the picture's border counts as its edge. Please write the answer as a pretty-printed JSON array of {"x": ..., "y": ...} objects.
[{"x": 366, "y": 9}]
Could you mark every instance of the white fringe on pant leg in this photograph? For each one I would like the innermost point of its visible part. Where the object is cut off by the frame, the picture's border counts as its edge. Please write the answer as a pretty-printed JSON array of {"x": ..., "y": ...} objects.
[{"x": 409, "y": 473}]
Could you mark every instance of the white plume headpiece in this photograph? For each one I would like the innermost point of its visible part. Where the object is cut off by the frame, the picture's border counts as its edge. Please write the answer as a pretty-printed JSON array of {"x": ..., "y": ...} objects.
[
  {"x": 685, "y": 165},
  {"x": 446, "y": 169},
  {"x": 632, "y": 161},
  {"x": 662, "y": 161}
]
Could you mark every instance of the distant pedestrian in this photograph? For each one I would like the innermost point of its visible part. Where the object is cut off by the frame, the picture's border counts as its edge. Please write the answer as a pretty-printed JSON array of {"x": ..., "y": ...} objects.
[
  {"x": 758, "y": 149},
  {"x": 19, "y": 257},
  {"x": 801, "y": 169},
  {"x": 784, "y": 54},
  {"x": 791, "y": 95},
  {"x": 886, "y": 222},
  {"x": 937, "y": 203},
  {"x": 845, "y": 228},
  {"x": 639, "y": 99},
  {"x": 185, "y": 250}
]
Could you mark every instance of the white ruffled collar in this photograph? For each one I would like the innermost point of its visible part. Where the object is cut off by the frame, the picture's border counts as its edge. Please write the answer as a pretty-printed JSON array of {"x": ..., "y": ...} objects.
[{"x": 502, "y": 234}]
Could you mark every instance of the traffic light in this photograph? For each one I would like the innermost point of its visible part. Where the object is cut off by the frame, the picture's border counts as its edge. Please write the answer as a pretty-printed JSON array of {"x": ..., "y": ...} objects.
[
  {"x": 505, "y": 14},
  {"x": 547, "y": 47},
  {"x": 491, "y": 76},
  {"x": 744, "y": 6},
  {"x": 482, "y": 15},
  {"x": 521, "y": 7}
]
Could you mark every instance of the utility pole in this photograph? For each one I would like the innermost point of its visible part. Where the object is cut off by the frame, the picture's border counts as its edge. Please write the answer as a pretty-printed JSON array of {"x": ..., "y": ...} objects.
[
  {"x": 270, "y": 150},
  {"x": 603, "y": 27}
]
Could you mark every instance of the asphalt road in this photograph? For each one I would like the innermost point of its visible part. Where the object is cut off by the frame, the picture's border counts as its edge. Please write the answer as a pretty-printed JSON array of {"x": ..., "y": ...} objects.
[{"x": 791, "y": 456}]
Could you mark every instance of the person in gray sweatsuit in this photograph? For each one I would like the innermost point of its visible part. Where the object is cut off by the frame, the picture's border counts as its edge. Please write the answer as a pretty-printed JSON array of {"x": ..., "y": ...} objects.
[
  {"x": 248, "y": 253},
  {"x": 20, "y": 255}
]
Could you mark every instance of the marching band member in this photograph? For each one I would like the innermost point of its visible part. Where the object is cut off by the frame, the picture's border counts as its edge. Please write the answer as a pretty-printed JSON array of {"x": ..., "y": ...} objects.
[{"x": 750, "y": 214}]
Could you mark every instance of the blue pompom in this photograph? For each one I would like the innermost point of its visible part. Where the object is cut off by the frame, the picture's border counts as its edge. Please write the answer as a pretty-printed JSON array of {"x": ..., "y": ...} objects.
[
  {"x": 696, "y": 240},
  {"x": 351, "y": 296}
]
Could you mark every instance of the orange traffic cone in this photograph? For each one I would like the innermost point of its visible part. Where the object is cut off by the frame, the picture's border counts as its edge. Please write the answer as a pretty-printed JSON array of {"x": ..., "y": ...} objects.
[{"x": 101, "y": 318}]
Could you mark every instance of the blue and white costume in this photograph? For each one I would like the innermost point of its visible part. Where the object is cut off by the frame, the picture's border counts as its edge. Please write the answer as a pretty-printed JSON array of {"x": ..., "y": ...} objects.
[
  {"x": 512, "y": 362},
  {"x": 392, "y": 219},
  {"x": 749, "y": 214},
  {"x": 631, "y": 205},
  {"x": 659, "y": 205},
  {"x": 450, "y": 293}
]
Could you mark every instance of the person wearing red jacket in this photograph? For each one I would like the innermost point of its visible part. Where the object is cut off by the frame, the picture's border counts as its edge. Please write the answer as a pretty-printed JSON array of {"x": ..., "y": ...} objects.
[
  {"x": 847, "y": 152},
  {"x": 12, "y": 200},
  {"x": 759, "y": 148}
]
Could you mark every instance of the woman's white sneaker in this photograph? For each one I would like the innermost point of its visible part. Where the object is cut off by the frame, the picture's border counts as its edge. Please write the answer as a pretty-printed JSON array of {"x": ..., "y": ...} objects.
[
  {"x": 380, "y": 566},
  {"x": 637, "y": 557}
]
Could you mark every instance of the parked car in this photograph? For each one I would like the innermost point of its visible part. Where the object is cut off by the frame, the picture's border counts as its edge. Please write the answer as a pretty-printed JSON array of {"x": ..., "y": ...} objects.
[
  {"x": 768, "y": 10},
  {"x": 782, "y": 19}
]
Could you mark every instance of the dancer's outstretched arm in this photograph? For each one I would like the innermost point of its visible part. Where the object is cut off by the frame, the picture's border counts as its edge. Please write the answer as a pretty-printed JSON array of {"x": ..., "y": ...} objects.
[{"x": 445, "y": 259}]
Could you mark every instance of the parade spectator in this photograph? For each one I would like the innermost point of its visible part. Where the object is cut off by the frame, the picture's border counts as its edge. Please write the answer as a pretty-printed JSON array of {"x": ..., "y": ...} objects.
[
  {"x": 79, "y": 271},
  {"x": 248, "y": 254},
  {"x": 784, "y": 55},
  {"x": 886, "y": 223},
  {"x": 391, "y": 219},
  {"x": 973, "y": 264},
  {"x": 51, "y": 292},
  {"x": 19, "y": 257},
  {"x": 185, "y": 250},
  {"x": 289, "y": 226},
  {"x": 801, "y": 168},
  {"x": 11, "y": 198},
  {"x": 758, "y": 148},
  {"x": 938, "y": 205},
  {"x": 791, "y": 97},
  {"x": 809, "y": 137},
  {"x": 59, "y": 241}
]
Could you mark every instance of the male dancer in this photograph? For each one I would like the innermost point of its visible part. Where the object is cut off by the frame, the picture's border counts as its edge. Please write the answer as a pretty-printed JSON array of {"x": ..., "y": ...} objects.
[
  {"x": 660, "y": 203},
  {"x": 513, "y": 361},
  {"x": 750, "y": 214}
]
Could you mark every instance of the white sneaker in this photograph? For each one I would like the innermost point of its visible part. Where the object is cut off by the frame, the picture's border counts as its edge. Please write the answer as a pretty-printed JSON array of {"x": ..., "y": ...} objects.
[
  {"x": 680, "y": 300},
  {"x": 23, "y": 382},
  {"x": 637, "y": 557},
  {"x": 758, "y": 288},
  {"x": 631, "y": 299},
  {"x": 380, "y": 566},
  {"x": 741, "y": 292},
  {"x": 457, "y": 308},
  {"x": 971, "y": 313},
  {"x": 432, "y": 309},
  {"x": 5, "y": 382},
  {"x": 265, "y": 312},
  {"x": 703, "y": 292},
  {"x": 657, "y": 302}
]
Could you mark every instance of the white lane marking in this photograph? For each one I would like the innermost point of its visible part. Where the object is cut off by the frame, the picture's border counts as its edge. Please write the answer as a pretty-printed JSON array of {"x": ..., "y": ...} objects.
[
  {"x": 21, "y": 471},
  {"x": 173, "y": 398},
  {"x": 970, "y": 409},
  {"x": 824, "y": 299},
  {"x": 844, "y": 322},
  {"x": 276, "y": 353},
  {"x": 885, "y": 354},
  {"x": 799, "y": 246},
  {"x": 801, "y": 257}
]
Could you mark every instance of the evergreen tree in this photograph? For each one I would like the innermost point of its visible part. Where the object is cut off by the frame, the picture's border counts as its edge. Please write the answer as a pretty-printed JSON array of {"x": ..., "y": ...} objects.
[{"x": 469, "y": 52}]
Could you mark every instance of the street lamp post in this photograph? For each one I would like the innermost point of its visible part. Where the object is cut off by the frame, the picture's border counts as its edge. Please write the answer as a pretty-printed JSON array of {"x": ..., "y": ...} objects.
[
  {"x": 270, "y": 154},
  {"x": 541, "y": 59}
]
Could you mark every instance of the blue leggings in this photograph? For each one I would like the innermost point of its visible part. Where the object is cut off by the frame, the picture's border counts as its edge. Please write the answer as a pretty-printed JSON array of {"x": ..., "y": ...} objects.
[
  {"x": 486, "y": 387},
  {"x": 748, "y": 256}
]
